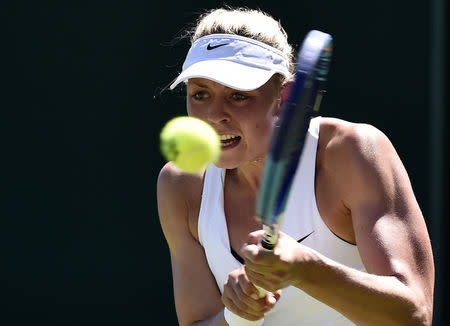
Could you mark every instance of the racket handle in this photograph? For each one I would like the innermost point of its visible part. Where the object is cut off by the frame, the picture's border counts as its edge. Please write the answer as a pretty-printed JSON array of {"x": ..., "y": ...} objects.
[{"x": 235, "y": 320}]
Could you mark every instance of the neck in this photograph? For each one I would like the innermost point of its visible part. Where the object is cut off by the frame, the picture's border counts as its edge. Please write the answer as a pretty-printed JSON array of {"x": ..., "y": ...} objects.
[{"x": 249, "y": 173}]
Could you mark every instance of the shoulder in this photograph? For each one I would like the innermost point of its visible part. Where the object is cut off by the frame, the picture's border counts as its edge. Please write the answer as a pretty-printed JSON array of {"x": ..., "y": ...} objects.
[
  {"x": 341, "y": 134},
  {"x": 177, "y": 182},
  {"x": 364, "y": 163},
  {"x": 342, "y": 143},
  {"x": 178, "y": 196}
]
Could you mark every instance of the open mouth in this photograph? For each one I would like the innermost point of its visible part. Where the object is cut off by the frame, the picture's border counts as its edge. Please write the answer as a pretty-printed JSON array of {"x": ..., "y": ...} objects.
[{"x": 228, "y": 141}]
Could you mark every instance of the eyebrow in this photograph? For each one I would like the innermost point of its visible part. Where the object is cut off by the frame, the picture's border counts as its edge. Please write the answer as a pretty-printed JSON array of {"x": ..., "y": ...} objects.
[
  {"x": 203, "y": 85},
  {"x": 199, "y": 84}
]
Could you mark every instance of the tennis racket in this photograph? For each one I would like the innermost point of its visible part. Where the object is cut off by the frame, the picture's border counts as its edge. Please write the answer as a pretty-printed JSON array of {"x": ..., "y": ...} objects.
[{"x": 287, "y": 142}]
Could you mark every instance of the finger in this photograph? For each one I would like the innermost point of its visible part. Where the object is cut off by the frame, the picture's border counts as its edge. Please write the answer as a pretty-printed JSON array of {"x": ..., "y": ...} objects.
[
  {"x": 262, "y": 267},
  {"x": 243, "y": 294},
  {"x": 277, "y": 294},
  {"x": 256, "y": 254},
  {"x": 254, "y": 276},
  {"x": 248, "y": 294},
  {"x": 250, "y": 252},
  {"x": 261, "y": 280},
  {"x": 247, "y": 286},
  {"x": 255, "y": 236},
  {"x": 235, "y": 295},
  {"x": 242, "y": 313},
  {"x": 271, "y": 299}
]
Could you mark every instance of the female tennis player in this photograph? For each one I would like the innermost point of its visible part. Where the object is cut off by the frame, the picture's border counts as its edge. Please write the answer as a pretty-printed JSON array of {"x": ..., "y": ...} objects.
[{"x": 354, "y": 247}]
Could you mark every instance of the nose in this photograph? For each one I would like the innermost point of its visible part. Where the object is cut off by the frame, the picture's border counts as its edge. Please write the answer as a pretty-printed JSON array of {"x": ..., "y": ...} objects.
[{"x": 217, "y": 111}]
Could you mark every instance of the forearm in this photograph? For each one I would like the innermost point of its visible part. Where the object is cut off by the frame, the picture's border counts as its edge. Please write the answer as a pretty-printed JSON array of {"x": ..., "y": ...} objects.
[{"x": 364, "y": 298}]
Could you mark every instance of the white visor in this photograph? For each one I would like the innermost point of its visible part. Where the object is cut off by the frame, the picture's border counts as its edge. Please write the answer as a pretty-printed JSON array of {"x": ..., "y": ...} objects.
[{"x": 235, "y": 61}]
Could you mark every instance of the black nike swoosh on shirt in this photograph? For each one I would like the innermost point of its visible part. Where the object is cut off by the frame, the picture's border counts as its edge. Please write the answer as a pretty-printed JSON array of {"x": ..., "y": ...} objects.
[
  {"x": 302, "y": 239},
  {"x": 212, "y": 47}
]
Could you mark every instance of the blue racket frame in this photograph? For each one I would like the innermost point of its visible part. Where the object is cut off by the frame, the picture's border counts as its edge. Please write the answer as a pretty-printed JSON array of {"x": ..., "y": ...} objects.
[{"x": 287, "y": 143}]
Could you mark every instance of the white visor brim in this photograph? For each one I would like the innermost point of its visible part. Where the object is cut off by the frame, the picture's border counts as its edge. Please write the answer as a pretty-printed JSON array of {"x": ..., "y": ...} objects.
[
  {"x": 230, "y": 74},
  {"x": 237, "y": 62}
]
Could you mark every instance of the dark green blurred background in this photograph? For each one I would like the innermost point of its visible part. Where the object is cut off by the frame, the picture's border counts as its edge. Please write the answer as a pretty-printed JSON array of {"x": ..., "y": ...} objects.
[{"x": 83, "y": 102}]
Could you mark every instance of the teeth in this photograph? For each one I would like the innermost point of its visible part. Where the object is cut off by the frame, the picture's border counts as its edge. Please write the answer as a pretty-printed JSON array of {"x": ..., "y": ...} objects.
[{"x": 226, "y": 137}]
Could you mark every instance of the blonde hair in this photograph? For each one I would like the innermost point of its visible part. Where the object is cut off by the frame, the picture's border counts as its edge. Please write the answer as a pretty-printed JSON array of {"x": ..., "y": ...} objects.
[{"x": 251, "y": 23}]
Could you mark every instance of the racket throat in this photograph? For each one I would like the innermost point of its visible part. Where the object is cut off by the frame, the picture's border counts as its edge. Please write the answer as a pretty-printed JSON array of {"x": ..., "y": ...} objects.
[{"x": 318, "y": 101}]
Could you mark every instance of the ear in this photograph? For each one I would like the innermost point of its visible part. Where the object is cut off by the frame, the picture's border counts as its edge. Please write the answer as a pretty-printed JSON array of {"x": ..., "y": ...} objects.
[
  {"x": 284, "y": 93},
  {"x": 277, "y": 108}
]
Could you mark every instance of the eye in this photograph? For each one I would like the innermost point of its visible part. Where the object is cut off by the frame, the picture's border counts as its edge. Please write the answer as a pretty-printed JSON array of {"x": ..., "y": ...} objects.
[
  {"x": 200, "y": 95},
  {"x": 239, "y": 97}
]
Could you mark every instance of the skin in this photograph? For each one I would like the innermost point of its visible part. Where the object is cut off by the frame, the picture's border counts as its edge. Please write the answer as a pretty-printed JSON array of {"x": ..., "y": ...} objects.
[{"x": 363, "y": 194}]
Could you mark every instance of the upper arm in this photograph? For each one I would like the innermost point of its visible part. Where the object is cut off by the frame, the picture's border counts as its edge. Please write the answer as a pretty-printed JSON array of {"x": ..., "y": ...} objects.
[
  {"x": 196, "y": 294},
  {"x": 389, "y": 228}
]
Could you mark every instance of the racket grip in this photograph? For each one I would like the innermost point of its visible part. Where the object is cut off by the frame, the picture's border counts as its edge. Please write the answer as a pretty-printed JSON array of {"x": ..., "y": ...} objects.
[{"x": 235, "y": 320}]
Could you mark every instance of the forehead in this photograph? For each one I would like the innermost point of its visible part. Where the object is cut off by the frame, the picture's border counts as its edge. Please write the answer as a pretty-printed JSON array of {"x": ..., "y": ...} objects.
[
  {"x": 207, "y": 83},
  {"x": 203, "y": 82}
]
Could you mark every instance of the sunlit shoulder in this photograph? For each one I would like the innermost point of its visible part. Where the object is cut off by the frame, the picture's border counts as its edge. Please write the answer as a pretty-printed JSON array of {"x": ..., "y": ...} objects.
[
  {"x": 347, "y": 140},
  {"x": 174, "y": 181}
]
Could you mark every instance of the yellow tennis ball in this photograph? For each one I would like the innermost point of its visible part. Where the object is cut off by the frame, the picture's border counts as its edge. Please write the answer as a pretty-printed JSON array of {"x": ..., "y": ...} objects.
[{"x": 190, "y": 143}]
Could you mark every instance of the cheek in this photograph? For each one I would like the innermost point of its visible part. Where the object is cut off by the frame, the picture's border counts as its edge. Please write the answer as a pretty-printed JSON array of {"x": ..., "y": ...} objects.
[
  {"x": 263, "y": 130},
  {"x": 267, "y": 118},
  {"x": 192, "y": 109}
]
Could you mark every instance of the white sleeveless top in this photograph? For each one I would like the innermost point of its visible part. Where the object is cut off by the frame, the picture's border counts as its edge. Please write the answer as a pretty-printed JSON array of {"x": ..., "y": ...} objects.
[{"x": 300, "y": 219}]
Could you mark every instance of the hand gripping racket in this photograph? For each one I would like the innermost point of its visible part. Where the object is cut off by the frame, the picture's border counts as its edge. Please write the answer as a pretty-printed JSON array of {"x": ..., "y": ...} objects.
[{"x": 287, "y": 142}]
